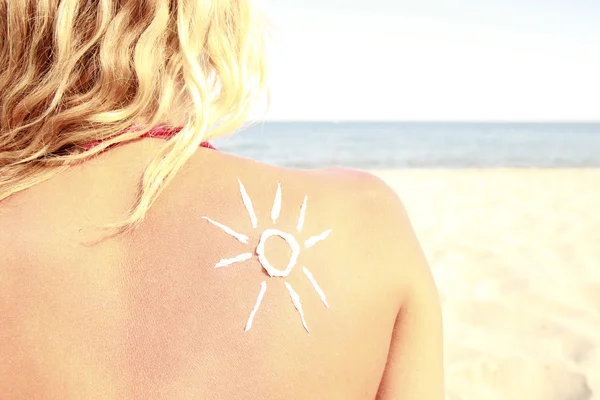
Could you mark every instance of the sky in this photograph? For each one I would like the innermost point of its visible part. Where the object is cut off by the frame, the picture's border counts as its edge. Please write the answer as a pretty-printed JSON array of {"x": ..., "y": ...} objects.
[{"x": 434, "y": 60}]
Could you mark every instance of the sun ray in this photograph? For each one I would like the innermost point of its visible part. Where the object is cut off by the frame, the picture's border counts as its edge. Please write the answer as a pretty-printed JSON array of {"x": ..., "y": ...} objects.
[
  {"x": 297, "y": 304},
  {"x": 263, "y": 289},
  {"x": 316, "y": 239},
  {"x": 302, "y": 214},
  {"x": 228, "y": 230},
  {"x": 248, "y": 204},
  {"x": 238, "y": 259},
  {"x": 276, "y": 204},
  {"x": 318, "y": 289}
]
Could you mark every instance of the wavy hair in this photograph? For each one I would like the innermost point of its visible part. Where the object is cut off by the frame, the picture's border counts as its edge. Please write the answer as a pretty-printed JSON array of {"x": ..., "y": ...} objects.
[{"x": 79, "y": 71}]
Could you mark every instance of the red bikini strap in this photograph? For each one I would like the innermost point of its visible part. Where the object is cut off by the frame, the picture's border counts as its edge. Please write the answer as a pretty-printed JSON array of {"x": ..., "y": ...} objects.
[{"x": 158, "y": 132}]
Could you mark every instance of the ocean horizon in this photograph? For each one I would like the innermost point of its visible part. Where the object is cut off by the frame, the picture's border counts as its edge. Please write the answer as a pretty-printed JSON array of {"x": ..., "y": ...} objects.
[{"x": 398, "y": 145}]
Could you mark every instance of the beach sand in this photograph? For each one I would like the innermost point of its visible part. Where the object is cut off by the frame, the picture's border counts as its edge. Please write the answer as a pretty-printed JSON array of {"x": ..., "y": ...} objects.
[{"x": 516, "y": 256}]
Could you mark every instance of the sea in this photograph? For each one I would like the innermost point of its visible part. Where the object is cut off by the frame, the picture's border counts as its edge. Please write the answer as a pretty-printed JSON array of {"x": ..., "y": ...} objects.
[{"x": 398, "y": 145}]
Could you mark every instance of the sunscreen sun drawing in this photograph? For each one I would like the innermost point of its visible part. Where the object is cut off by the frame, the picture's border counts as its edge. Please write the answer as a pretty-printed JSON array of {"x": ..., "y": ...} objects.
[{"x": 260, "y": 252}]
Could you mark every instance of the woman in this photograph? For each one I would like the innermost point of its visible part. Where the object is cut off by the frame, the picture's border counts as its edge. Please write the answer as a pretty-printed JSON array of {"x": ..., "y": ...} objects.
[{"x": 139, "y": 263}]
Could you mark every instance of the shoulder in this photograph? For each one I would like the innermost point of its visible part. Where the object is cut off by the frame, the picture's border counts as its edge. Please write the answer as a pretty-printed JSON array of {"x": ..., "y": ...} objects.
[
  {"x": 356, "y": 201},
  {"x": 371, "y": 226},
  {"x": 373, "y": 233},
  {"x": 371, "y": 209},
  {"x": 352, "y": 195},
  {"x": 371, "y": 196},
  {"x": 379, "y": 223}
]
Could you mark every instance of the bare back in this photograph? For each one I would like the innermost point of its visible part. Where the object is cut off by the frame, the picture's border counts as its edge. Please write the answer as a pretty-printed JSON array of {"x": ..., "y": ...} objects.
[{"x": 147, "y": 315}]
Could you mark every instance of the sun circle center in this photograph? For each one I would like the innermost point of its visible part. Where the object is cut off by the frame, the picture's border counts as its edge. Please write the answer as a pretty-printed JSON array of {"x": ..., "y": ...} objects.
[{"x": 260, "y": 251}]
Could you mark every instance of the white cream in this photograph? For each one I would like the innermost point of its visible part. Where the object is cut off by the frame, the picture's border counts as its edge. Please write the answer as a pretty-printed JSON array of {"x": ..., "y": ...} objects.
[
  {"x": 297, "y": 304},
  {"x": 228, "y": 230},
  {"x": 259, "y": 300},
  {"x": 276, "y": 205},
  {"x": 302, "y": 215},
  {"x": 228, "y": 261},
  {"x": 260, "y": 251},
  {"x": 316, "y": 239},
  {"x": 318, "y": 289},
  {"x": 248, "y": 204}
]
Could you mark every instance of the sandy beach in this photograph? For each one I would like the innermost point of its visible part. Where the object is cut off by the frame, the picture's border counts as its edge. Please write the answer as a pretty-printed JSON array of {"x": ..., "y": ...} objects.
[{"x": 516, "y": 256}]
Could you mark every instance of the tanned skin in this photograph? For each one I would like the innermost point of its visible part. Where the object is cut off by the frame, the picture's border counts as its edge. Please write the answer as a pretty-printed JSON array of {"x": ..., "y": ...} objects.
[{"x": 144, "y": 315}]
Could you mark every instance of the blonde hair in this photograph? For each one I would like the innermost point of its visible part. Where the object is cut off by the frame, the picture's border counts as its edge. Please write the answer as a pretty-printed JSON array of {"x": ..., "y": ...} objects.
[{"x": 77, "y": 71}]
